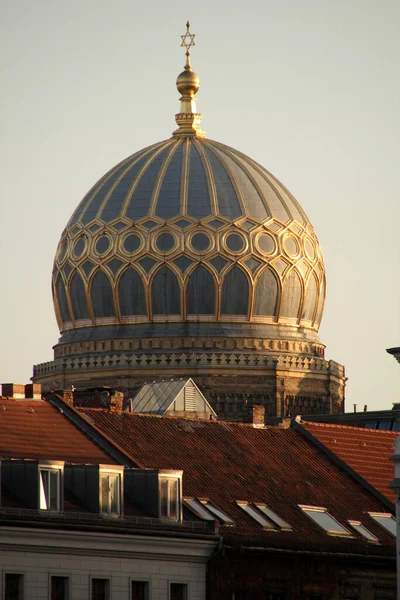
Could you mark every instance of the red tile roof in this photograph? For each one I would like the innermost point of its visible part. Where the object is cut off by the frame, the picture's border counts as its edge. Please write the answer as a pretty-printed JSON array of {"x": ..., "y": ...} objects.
[
  {"x": 34, "y": 429},
  {"x": 231, "y": 461},
  {"x": 366, "y": 451}
]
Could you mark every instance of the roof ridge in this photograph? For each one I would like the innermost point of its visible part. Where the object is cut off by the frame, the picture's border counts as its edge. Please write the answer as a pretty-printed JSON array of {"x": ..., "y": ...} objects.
[{"x": 352, "y": 427}]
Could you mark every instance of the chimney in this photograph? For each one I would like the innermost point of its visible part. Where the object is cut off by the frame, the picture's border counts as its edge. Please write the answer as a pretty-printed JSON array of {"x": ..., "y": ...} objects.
[
  {"x": 354, "y": 407},
  {"x": 365, "y": 408},
  {"x": 13, "y": 390},
  {"x": 116, "y": 402},
  {"x": 33, "y": 391},
  {"x": 255, "y": 414}
]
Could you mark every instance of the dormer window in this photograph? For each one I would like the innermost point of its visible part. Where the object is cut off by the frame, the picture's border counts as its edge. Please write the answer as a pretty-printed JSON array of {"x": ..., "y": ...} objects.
[
  {"x": 49, "y": 488},
  {"x": 110, "y": 493},
  {"x": 170, "y": 498}
]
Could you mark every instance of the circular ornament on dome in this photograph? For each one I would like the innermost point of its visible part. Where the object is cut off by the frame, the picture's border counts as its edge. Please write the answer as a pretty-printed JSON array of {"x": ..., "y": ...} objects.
[
  {"x": 200, "y": 242},
  {"x": 309, "y": 248},
  {"x": 165, "y": 242},
  {"x": 291, "y": 246},
  {"x": 63, "y": 250},
  {"x": 266, "y": 244},
  {"x": 235, "y": 242},
  {"x": 80, "y": 246},
  {"x": 131, "y": 243},
  {"x": 102, "y": 245}
]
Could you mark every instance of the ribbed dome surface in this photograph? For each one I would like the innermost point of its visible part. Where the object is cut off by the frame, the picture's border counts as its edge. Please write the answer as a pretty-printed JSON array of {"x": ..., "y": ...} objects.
[{"x": 188, "y": 230}]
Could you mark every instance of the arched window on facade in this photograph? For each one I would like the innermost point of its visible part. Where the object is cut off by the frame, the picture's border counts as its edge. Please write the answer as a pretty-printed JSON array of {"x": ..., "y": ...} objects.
[
  {"x": 62, "y": 300},
  {"x": 291, "y": 296},
  {"x": 310, "y": 298},
  {"x": 78, "y": 298},
  {"x": 200, "y": 293},
  {"x": 267, "y": 294},
  {"x": 102, "y": 296},
  {"x": 165, "y": 293},
  {"x": 131, "y": 294},
  {"x": 235, "y": 293}
]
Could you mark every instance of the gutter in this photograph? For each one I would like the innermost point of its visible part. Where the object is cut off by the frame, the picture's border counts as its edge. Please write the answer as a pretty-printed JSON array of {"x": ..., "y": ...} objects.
[
  {"x": 310, "y": 553},
  {"x": 343, "y": 465}
]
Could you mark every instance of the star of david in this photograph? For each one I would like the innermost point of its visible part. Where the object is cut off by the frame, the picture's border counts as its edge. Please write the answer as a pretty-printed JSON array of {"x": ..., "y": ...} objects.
[{"x": 188, "y": 38}]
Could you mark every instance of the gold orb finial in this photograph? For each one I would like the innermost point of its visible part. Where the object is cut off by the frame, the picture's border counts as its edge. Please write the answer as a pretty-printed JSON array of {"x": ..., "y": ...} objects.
[{"x": 188, "y": 84}]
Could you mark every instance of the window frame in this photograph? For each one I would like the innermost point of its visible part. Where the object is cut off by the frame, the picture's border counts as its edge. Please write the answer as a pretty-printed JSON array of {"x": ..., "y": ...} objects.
[
  {"x": 172, "y": 582},
  {"x": 146, "y": 580},
  {"x": 111, "y": 473},
  {"x": 220, "y": 515},
  {"x": 257, "y": 516},
  {"x": 170, "y": 479},
  {"x": 108, "y": 587},
  {"x": 363, "y": 531},
  {"x": 378, "y": 515},
  {"x": 51, "y": 468},
  {"x": 306, "y": 509},
  {"x": 20, "y": 574},
  {"x": 66, "y": 576}
]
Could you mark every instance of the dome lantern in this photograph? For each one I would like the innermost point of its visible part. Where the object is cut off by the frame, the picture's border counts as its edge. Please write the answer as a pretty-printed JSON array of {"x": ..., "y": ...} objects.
[{"x": 188, "y": 84}]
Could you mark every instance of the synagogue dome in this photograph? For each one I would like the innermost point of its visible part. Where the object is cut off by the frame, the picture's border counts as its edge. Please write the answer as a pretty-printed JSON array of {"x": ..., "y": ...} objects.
[{"x": 188, "y": 237}]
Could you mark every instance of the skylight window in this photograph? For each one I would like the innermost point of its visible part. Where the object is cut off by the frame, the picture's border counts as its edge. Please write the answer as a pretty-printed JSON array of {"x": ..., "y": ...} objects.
[
  {"x": 255, "y": 514},
  {"x": 386, "y": 520},
  {"x": 370, "y": 537},
  {"x": 273, "y": 517},
  {"x": 217, "y": 512},
  {"x": 320, "y": 516},
  {"x": 198, "y": 509}
]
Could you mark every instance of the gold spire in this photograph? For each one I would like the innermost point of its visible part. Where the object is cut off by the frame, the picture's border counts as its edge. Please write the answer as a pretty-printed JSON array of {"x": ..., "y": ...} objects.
[{"x": 188, "y": 84}]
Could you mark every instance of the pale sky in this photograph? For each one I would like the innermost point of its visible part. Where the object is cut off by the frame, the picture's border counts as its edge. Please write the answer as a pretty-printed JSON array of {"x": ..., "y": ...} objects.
[{"x": 308, "y": 88}]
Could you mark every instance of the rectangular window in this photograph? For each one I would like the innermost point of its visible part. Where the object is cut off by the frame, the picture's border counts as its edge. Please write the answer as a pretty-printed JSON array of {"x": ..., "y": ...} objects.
[
  {"x": 100, "y": 589},
  {"x": 321, "y": 516},
  {"x": 217, "y": 512},
  {"x": 363, "y": 531},
  {"x": 178, "y": 591},
  {"x": 265, "y": 524},
  {"x": 59, "y": 588},
  {"x": 386, "y": 520},
  {"x": 139, "y": 590},
  {"x": 50, "y": 488},
  {"x": 273, "y": 517},
  {"x": 110, "y": 486},
  {"x": 170, "y": 505},
  {"x": 13, "y": 586},
  {"x": 198, "y": 509}
]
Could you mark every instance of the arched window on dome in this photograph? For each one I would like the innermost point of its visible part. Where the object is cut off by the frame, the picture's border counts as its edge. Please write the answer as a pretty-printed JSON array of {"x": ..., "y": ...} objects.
[
  {"x": 235, "y": 293},
  {"x": 78, "y": 297},
  {"x": 165, "y": 293},
  {"x": 267, "y": 294},
  {"x": 131, "y": 294},
  {"x": 321, "y": 301},
  {"x": 310, "y": 298},
  {"x": 62, "y": 300},
  {"x": 291, "y": 297},
  {"x": 102, "y": 296},
  {"x": 200, "y": 293}
]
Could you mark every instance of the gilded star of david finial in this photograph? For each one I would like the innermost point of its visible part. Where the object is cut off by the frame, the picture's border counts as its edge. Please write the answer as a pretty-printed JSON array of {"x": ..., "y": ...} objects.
[{"x": 188, "y": 38}]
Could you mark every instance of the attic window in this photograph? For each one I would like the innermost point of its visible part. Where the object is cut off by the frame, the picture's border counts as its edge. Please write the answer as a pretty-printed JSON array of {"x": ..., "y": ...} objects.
[
  {"x": 198, "y": 509},
  {"x": 217, "y": 512},
  {"x": 255, "y": 514},
  {"x": 170, "y": 498},
  {"x": 273, "y": 517},
  {"x": 370, "y": 537},
  {"x": 49, "y": 488},
  {"x": 320, "y": 516},
  {"x": 110, "y": 493},
  {"x": 386, "y": 520}
]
